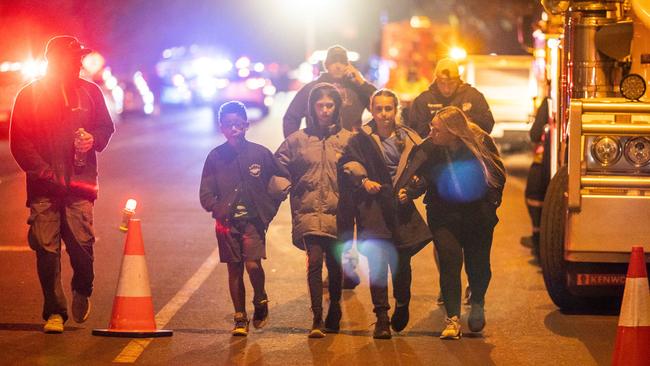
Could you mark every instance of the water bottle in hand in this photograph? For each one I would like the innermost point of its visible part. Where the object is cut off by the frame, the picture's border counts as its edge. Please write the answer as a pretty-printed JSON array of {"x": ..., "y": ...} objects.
[{"x": 79, "y": 156}]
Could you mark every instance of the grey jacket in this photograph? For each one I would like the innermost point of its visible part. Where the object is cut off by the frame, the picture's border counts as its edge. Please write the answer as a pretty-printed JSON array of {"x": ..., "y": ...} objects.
[{"x": 311, "y": 159}]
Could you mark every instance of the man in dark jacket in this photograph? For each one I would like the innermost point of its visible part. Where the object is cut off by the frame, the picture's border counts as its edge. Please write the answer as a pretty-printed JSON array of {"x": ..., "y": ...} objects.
[
  {"x": 57, "y": 126},
  {"x": 354, "y": 89},
  {"x": 448, "y": 89}
]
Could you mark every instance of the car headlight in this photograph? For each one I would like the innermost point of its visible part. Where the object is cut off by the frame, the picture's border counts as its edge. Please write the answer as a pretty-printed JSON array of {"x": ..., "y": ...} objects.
[
  {"x": 637, "y": 151},
  {"x": 606, "y": 150}
]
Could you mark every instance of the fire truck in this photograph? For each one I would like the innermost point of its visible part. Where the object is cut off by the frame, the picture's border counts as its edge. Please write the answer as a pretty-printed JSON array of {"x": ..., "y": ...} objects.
[
  {"x": 597, "y": 205},
  {"x": 409, "y": 50}
]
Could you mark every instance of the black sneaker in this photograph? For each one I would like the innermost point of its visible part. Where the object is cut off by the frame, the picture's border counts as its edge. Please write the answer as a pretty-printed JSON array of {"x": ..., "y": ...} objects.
[
  {"x": 241, "y": 325},
  {"x": 400, "y": 317},
  {"x": 80, "y": 307},
  {"x": 317, "y": 328},
  {"x": 261, "y": 314},
  {"x": 333, "y": 319},
  {"x": 476, "y": 319},
  {"x": 382, "y": 327},
  {"x": 526, "y": 241}
]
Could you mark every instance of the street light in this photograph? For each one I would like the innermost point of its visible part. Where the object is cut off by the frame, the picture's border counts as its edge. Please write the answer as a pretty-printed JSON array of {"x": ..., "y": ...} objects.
[{"x": 307, "y": 10}]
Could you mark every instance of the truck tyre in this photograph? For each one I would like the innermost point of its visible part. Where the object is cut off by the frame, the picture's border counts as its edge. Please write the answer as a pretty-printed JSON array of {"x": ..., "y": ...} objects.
[{"x": 554, "y": 267}]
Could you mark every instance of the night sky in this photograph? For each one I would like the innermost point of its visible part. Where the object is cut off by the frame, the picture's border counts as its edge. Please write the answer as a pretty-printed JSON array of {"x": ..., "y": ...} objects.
[{"x": 132, "y": 33}]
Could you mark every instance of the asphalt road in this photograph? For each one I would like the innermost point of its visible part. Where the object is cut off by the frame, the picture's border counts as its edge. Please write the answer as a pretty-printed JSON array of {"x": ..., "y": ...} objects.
[{"x": 158, "y": 161}]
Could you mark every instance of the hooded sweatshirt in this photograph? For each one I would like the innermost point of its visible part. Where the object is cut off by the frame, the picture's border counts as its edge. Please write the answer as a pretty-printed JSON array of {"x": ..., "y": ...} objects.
[{"x": 355, "y": 97}]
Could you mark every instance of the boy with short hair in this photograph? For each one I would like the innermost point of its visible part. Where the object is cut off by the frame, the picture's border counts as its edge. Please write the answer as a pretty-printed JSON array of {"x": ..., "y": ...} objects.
[{"x": 242, "y": 185}]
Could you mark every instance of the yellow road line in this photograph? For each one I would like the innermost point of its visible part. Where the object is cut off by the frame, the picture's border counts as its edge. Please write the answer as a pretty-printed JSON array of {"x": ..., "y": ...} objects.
[
  {"x": 134, "y": 349},
  {"x": 15, "y": 248}
]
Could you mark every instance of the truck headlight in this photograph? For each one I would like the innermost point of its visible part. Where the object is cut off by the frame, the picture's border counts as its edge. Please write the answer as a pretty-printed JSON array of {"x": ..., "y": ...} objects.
[
  {"x": 606, "y": 150},
  {"x": 637, "y": 151}
]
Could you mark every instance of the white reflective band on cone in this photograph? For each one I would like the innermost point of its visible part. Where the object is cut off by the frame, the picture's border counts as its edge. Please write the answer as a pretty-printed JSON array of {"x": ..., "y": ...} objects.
[
  {"x": 635, "y": 309},
  {"x": 134, "y": 280}
]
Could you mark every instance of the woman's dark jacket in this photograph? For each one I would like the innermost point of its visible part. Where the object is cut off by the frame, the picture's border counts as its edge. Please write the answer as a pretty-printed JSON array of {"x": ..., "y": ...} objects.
[
  {"x": 378, "y": 216},
  {"x": 428, "y": 161}
]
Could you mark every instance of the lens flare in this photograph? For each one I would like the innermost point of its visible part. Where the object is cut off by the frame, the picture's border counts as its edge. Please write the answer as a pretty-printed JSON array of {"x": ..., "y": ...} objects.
[{"x": 462, "y": 181}]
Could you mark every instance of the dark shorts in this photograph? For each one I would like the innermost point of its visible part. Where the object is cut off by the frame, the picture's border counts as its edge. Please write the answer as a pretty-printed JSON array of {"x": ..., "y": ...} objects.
[{"x": 240, "y": 241}]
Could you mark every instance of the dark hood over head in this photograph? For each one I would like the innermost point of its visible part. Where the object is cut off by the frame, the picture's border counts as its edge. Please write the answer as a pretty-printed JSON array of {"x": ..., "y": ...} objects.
[{"x": 318, "y": 91}]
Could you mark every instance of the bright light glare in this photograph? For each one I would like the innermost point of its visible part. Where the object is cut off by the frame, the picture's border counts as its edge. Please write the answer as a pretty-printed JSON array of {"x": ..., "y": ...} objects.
[
  {"x": 33, "y": 69},
  {"x": 457, "y": 53},
  {"x": 255, "y": 83},
  {"x": 221, "y": 83},
  {"x": 131, "y": 204},
  {"x": 243, "y": 62},
  {"x": 204, "y": 66},
  {"x": 269, "y": 90},
  {"x": 178, "y": 80},
  {"x": 305, "y": 72},
  {"x": 243, "y": 73},
  {"x": 258, "y": 67},
  {"x": 297, "y": 9},
  {"x": 93, "y": 62},
  {"x": 420, "y": 22},
  {"x": 222, "y": 66},
  {"x": 320, "y": 55}
]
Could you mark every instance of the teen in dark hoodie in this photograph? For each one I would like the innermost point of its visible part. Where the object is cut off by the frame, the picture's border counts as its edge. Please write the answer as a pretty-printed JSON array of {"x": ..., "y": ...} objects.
[
  {"x": 355, "y": 94},
  {"x": 311, "y": 156},
  {"x": 354, "y": 89},
  {"x": 449, "y": 90}
]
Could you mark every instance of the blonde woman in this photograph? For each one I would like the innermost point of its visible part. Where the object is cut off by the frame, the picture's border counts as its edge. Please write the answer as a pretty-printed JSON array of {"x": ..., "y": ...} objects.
[{"x": 459, "y": 167}]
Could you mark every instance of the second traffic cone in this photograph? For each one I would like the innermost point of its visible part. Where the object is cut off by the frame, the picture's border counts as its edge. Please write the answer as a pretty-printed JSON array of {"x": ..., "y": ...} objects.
[
  {"x": 132, "y": 307},
  {"x": 632, "y": 346}
]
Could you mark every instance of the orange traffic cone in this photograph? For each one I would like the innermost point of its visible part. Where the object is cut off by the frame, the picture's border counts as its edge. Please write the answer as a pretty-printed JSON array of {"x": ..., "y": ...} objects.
[
  {"x": 132, "y": 307},
  {"x": 633, "y": 335}
]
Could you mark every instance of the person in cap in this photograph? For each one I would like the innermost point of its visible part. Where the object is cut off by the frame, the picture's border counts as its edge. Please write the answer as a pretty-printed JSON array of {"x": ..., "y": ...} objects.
[
  {"x": 58, "y": 124},
  {"x": 448, "y": 89},
  {"x": 354, "y": 89},
  {"x": 355, "y": 93}
]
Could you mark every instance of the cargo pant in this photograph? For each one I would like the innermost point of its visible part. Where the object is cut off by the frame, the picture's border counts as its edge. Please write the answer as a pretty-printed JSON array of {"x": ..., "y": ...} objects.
[{"x": 51, "y": 220}]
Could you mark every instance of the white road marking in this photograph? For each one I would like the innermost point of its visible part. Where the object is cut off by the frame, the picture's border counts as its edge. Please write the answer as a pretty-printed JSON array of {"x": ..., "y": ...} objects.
[{"x": 134, "y": 349}]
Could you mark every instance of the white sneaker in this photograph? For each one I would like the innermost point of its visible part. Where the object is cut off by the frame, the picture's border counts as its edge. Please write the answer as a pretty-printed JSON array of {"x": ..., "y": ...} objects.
[
  {"x": 54, "y": 324},
  {"x": 452, "y": 330}
]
